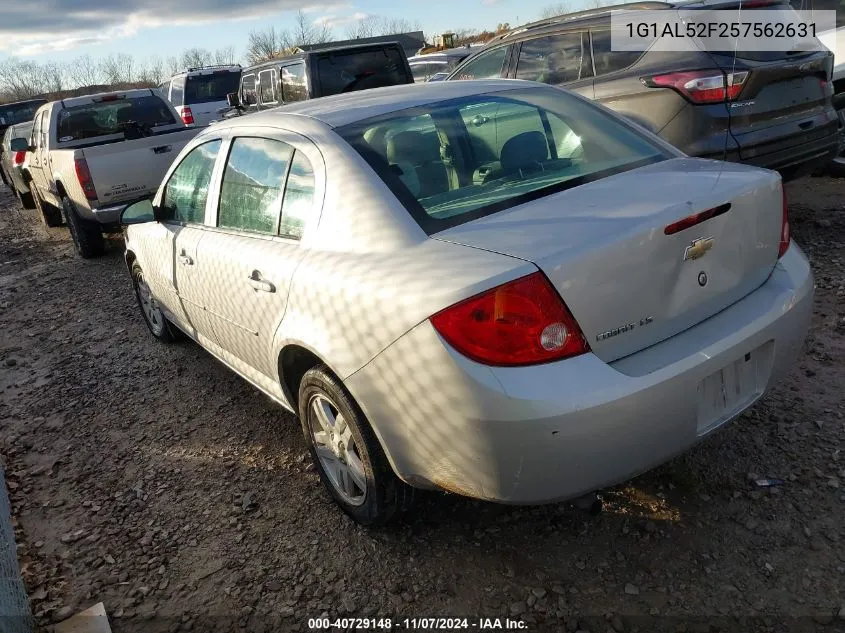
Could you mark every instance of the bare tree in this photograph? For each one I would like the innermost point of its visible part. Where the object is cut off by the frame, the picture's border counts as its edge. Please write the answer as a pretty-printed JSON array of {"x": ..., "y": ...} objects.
[
  {"x": 151, "y": 71},
  {"x": 51, "y": 77},
  {"x": 117, "y": 68},
  {"x": 308, "y": 32},
  {"x": 365, "y": 27},
  {"x": 225, "y": 55},
  {"x": 264, "y": 45},
  {"x": 196, "y": 58},
  {"x": 19, "y": 79},
  {"x": 173, "y": 64},
  {"x": 397, "y": 25},
  {"x": 84, "y": 71},
  {"x": 554, "y": 10}
]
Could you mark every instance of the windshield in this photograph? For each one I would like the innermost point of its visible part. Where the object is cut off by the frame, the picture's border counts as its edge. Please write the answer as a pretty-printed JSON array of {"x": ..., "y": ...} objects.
[
  {"x": 212, "y": 87},
  {"x": 133, "y": 117},
  {"x": 361, "y": 70},
  {"x": 18, "y": 112},
  {"x": 453, "y": 161}
]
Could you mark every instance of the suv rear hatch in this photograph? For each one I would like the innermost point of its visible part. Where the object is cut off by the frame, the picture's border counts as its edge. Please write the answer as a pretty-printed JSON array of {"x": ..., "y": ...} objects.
[
  {"x": 785, "y": 101},
  {"x": 360, "y": 68},
  {"x": 205, "y": 93},
  {"x": 604, "y": 247}
]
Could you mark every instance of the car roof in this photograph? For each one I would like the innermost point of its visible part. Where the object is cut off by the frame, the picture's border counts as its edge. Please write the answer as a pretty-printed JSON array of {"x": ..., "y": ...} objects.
[{"x": 350, "y": 107}]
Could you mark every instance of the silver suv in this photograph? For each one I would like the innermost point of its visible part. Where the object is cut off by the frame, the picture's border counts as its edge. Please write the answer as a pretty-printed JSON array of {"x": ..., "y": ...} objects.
[{"x": 199, "y": 94}]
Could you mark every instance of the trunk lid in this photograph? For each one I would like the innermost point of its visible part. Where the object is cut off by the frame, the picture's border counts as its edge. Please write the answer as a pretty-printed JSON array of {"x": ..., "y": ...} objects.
[
  {"x": 114, "y": 166},
  {"x": 603, "y": 247}
]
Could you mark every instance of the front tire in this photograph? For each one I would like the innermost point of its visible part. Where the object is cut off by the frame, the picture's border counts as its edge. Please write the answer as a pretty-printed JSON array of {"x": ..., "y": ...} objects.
[
  {"x": 346, "y": 453},
  {"x": 157, "y": 323},
  {"x": 87, "y": 236}
]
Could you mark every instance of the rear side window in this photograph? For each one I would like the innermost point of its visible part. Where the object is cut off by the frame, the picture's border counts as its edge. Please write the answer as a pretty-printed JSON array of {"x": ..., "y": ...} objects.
[
  {"x": 294, "y": 87},
  {"x": 133, "y": 116},
  {"x": 186, "y": 192},
  {"x": 487, "y": 65},
  {"x": 177, "y": 91},
  {"x": 207, "y": 88},
  {"x": 164, "y": 89},
  {"x": 419, "y": 71},
  {"x": 299, "y": 197},
  {"x": 248, "y": 90},
  {"x": 361, "y": 70},
  {"x": 551, "y": 60},
  {"x": 44, "y": 129},
  {"x": 267, "y": 86},
  {"x": 251, "y": 195},
  {"x": 608, "y": 61}
]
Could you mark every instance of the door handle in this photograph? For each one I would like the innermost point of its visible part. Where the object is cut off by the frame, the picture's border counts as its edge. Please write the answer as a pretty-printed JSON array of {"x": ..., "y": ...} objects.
[
  {"x": 805, "y": 125},
  {"x": 186, "y": 260},
  {"x": 260, "y": 284}
]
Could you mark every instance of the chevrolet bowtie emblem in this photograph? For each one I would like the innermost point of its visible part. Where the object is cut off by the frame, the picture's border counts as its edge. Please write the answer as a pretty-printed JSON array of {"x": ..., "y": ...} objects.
[{"x": 698, "y": 248}]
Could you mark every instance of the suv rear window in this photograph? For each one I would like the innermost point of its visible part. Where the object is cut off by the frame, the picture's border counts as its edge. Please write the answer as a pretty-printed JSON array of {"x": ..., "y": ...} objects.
[
  {"x": 19, "y": 112},
  {"x": 211, "y": 87},
  {"x": 453, "y": 161},
  {"x": 361, "y": 70},
  {"x": 133, "y": 117}
]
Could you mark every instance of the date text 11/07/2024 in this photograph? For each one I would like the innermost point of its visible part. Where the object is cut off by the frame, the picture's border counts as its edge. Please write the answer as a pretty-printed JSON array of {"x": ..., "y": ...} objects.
[{"x": 417, "y": 624}]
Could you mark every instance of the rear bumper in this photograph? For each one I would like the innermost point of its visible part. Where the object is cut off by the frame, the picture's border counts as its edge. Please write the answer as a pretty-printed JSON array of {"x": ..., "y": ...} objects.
[
  {"x": 552, "y": 432},
  {"x": 807, "y": 155}
]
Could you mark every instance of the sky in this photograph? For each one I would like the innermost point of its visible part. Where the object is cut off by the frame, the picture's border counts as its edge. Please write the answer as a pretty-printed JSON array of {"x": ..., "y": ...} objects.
[{"x": 59, "y": 30}]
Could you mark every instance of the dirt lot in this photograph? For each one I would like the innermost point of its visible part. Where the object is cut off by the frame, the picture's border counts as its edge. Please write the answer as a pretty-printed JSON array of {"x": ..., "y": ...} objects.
[{"x": 152, "y": 479}]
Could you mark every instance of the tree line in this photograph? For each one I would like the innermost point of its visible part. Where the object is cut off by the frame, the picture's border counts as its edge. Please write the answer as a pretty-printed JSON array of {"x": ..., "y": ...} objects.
[{"x": 24, "y": 79}]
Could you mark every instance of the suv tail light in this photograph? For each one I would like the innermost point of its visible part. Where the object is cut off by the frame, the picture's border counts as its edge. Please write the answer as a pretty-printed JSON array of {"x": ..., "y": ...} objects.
[
  {"x": 522, "y": 322},
  {"x": 18, "y": 158},
  {"x": 701, "y": 86},
  {"x": 83, "y": 174},
  {"x": 784, "y": 228},
  {"x": 187, "y": 115}
]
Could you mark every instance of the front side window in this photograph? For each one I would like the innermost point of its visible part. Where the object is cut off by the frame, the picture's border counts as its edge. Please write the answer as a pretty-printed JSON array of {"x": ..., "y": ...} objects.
[
  {"x": 550, "y": 60},
  {"x": 453, "y": 161},
  {"x": 266, "y": 87},
  {"x": 294, "y": 87},
  {"x": 251, "y": 195},
  {"x": 186, "y": 192},
  {"x": 299, "y": 197},
  {"x": 248, "y": 90},
  {"x": 486, "y": 66}
]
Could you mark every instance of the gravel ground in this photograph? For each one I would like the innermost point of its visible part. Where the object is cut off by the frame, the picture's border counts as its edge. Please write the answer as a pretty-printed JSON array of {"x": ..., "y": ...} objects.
[{"x": 152, "y": 479}]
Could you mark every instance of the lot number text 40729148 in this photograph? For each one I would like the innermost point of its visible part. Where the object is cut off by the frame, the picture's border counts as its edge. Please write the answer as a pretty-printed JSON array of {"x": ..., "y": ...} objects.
[{"x": 418, "y": 624}]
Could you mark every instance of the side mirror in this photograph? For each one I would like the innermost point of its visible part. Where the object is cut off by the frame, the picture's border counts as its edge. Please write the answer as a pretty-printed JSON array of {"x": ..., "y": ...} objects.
[
  {"x": 140, "y": 212},
  {"x": 233, "y": 100},
  {"x": 20, "y": 145}
]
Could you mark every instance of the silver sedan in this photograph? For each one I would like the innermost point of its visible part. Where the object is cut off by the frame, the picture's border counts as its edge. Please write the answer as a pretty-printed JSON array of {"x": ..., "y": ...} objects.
[{"x": 493, "y": 288}]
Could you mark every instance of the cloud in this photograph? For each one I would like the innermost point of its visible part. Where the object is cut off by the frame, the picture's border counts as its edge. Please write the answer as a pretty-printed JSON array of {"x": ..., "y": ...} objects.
[
  {"x": 334, "y": 21},
  {"x": 39, "y": 26}
]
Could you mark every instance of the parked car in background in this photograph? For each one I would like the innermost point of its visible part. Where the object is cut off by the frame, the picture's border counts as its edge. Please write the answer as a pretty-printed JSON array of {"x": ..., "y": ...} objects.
[
  {"x": 320, "y": 73},
  {"x": 88, "y": 157},
  {"x": 13, "y": 113},
  {"x": 769, "y": 109},
  {"x": 199, "y": 94},
  {"x": 474, "y": 286},
  {"x": 424, "y": 67},
  {"x": 11, "y": 163}
]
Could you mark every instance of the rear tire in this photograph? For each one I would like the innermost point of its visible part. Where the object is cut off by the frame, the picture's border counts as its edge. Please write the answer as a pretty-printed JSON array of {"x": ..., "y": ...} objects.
[
  {"x": 346, "y": 453},
  {"x": 87, "y": 236},
  {"x": 50, "y": 216},
  {"x": 157, "y": 323}
]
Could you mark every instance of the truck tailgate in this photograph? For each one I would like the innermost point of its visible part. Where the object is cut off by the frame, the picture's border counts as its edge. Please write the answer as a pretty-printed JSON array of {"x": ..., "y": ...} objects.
[{"x": 129, "y": 170}]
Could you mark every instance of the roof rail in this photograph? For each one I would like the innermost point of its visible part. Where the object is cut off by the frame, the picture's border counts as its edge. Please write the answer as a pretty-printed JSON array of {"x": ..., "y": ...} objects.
[
  {"x": 587, "y": 13},
  {"x": 195, "y": 68}
]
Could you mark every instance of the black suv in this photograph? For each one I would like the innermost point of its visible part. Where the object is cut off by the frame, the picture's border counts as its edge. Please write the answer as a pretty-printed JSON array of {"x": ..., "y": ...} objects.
[
  {"x": 320, "y": 73},
  {"x": 768, "y": 109}
]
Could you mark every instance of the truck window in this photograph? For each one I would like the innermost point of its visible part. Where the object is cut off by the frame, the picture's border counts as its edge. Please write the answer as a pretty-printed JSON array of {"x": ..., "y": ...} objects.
[
  {"x": 211, "y": 87},
  {"x": 248, "y": 90},
  {"x": 113, "y": 116},
  {"x": 294, "y": 87},
  {"x": 361, "y": 70},
  {"x": 266, "y": 87}
]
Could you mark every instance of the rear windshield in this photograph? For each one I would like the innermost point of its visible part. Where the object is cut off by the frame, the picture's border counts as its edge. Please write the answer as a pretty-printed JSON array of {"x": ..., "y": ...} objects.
[
  {"x": 132, "y": 117},
  {"x": 211, "y": 87},
  {"x": 361, "y": 70},
  {"x": 454, "y": 161},
  {"x": 18, "y": 112}
]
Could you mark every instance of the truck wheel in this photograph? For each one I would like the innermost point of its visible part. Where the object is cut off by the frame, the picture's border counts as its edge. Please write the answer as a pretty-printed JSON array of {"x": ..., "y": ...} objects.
[
  {"x": 25, "y": 199},
  {"x": 49, "y": 215},
  {"x": 87, "y": 236},
  {"x": 346, "y": 453}
]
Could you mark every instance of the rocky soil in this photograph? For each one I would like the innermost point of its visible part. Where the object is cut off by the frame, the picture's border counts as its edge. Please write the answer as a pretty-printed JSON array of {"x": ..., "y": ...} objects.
[{"x": 152, "y": 479}]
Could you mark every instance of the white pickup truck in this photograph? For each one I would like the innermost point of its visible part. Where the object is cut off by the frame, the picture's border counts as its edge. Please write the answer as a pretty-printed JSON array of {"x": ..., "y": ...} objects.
[{"x": 89, "y": 157}]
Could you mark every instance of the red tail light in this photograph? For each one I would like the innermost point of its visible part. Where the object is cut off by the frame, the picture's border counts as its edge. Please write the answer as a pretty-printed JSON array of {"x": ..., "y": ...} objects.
[
  {"x": 522, "y": 322},
  {"x": 83, "y": 174},
  {"x": 701, "y": 86},
  {"x": 187, "y": 115},
  {"x": 18, "y": 158},
  {"x": 785, "y": 238}
]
